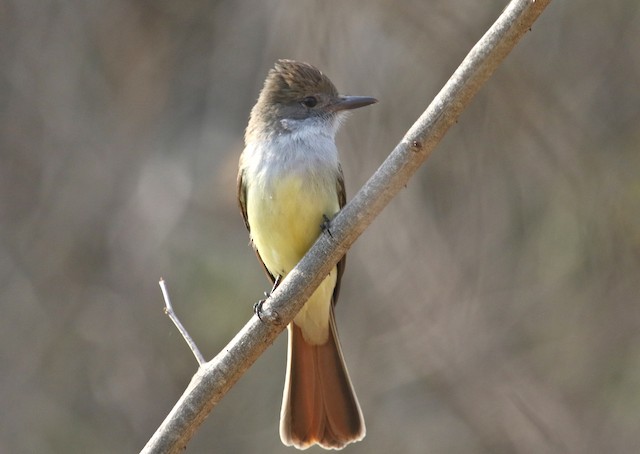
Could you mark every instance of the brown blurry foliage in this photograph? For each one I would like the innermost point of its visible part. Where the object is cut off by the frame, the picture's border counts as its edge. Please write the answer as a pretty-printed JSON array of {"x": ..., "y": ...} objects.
[{"x": 492, "y": 307}]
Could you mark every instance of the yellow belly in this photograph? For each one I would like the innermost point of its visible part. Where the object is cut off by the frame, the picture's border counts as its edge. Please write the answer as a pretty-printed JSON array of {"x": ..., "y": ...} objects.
[{"x": 285, "y": 221}]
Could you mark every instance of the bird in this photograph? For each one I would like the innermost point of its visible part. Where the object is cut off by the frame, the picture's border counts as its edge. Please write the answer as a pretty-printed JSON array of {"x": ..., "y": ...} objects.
[{"x": 290, "y": 184}]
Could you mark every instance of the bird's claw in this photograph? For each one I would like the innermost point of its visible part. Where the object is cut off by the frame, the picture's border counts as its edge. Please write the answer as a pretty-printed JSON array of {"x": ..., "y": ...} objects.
[
  {"x": 257, "y": 307},
  {"x": 326, "y": 224}
]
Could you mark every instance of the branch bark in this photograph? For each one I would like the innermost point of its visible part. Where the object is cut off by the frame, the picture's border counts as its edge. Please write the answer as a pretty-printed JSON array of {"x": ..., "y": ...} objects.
[{"x": 216, "y": 377}]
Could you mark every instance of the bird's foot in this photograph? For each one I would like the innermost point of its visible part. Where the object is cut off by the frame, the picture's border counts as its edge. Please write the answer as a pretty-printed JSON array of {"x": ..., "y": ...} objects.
[
  {"x": 326, "y": 224},
  {"x": 257, "y": 307}
]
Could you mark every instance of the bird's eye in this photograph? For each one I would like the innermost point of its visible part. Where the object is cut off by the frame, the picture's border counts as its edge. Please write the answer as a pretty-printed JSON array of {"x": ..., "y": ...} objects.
[{"x": 309, "y": 101}]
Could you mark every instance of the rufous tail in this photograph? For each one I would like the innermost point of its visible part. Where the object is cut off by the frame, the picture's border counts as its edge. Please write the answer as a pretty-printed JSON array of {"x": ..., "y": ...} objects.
[{"x": 319, "y": 405}]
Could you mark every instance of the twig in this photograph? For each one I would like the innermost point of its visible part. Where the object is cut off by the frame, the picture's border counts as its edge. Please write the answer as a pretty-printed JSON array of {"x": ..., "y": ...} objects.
[
  {"x": 168, "y": 309},
  {"x": 215, "y": 378}
]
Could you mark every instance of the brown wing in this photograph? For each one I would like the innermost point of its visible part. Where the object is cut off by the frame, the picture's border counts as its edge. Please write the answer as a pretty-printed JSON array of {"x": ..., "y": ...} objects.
[
  {"x": 242, "y": 198},
  {"x": 242, "y": 201},
  {"x": 342, "y": 201}
]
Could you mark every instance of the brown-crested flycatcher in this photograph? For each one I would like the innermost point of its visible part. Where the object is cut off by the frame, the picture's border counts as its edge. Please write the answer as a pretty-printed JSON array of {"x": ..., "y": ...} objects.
[{"x": 289, "y": 183}]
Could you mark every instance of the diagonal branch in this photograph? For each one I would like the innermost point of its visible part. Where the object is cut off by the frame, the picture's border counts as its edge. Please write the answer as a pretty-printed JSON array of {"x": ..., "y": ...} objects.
[{"x": 215, "y": 378}]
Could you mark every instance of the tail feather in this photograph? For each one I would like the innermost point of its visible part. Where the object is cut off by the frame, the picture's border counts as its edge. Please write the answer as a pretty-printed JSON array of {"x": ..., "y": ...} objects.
[{"x": 319, "y": 404}]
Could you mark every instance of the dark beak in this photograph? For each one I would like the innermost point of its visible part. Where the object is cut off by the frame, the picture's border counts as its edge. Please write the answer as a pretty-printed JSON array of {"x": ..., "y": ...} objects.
[{"x": 352, "y": 102}]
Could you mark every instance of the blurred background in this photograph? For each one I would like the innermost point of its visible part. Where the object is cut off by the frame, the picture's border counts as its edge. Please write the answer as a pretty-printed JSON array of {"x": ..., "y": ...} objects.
[{"x": 493, "y": 307}]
